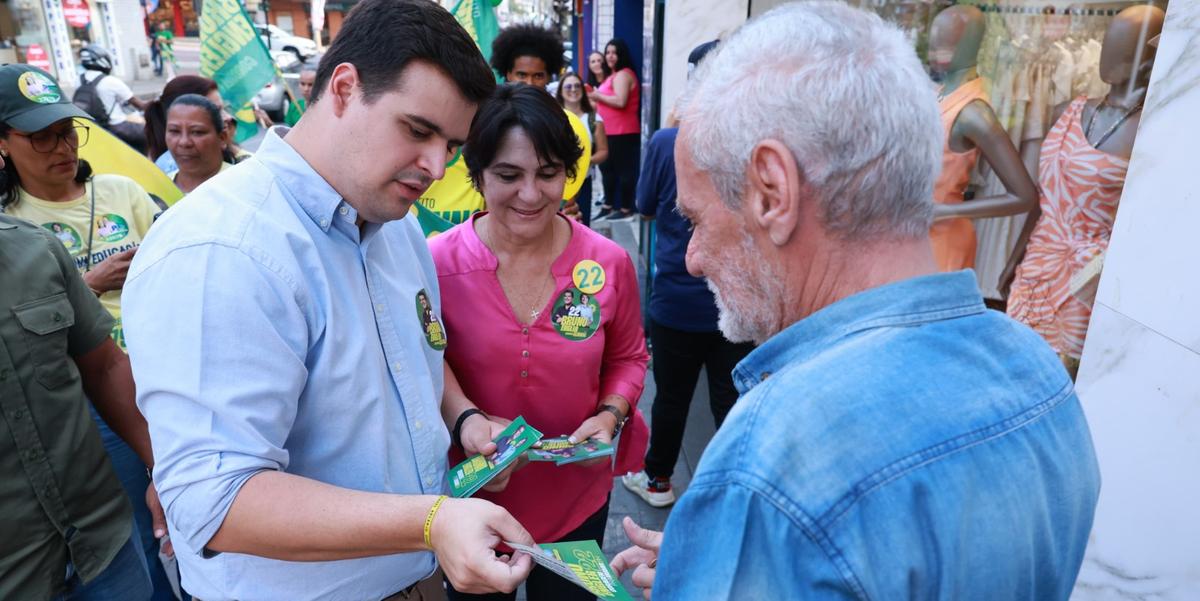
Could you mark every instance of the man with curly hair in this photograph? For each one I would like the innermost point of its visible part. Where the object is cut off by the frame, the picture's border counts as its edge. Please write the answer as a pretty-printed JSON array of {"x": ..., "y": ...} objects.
[
  {"x": 528, "y": 54},
  {"x": 521, "y": 53}
]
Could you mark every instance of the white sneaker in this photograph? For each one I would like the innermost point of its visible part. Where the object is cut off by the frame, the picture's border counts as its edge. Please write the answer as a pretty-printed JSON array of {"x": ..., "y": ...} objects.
[{"x": 651, "y": 492}]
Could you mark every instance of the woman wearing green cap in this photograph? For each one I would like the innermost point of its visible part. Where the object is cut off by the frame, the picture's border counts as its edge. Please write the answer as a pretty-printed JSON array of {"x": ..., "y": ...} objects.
[{"x": 100, "y": 219}]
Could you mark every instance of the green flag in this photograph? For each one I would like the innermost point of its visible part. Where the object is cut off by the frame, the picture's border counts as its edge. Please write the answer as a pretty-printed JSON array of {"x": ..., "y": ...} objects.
[
  {"x": 478, "y": 17},
  {"x": 232, "y": 54}
]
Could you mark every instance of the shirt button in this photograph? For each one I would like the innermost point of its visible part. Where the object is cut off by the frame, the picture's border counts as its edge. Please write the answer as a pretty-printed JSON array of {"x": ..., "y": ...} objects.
[
  {"x": 524, "y": 353},
  {"x": 379, "y": 307},
  {"x": 417, "y": 424},
  {"x": 524, "y": 374},
  {"x": 429, "y": 482},
  {"x": 343, "y": 210},
  {"x": 525, "y": 331},
  {"x": 18, "y": 414},
  {"x": 396, "y": 366},
  {"x": 57, "y": 316},
  {"x": 324, "y": 223}
]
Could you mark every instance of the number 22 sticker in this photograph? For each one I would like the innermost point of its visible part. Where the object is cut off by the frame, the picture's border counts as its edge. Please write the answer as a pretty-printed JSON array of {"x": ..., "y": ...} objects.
[{"x": 589, "y": 276}]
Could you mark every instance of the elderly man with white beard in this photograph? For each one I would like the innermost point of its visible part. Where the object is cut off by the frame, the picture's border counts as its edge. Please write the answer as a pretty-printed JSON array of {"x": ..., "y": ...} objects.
[{"x": 894, "y": 439}]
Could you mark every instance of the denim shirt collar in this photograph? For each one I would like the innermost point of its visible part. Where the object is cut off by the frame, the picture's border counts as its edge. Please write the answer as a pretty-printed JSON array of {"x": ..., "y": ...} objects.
[
  {"x": 301, "y": 182},
  {"x": 908, "y": 302}
]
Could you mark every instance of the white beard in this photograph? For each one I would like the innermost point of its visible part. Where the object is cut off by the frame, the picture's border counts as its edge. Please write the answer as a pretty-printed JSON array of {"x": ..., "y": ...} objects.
[{"x": 744, "y": 312}]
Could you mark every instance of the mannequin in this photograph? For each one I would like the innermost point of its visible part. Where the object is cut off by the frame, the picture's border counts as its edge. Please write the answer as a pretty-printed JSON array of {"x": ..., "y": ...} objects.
[
  {"x": 1083, "y": 162},
  {"x": 971, "y": 130}
]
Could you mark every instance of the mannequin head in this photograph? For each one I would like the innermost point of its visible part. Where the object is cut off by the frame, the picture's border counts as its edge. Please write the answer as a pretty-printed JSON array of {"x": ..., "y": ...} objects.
[
  {"x": 954, "y": 39},
  {"x": 1127, "y": 55}
]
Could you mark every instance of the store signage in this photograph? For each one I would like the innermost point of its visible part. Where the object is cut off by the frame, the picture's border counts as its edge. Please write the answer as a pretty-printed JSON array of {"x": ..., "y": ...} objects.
[
  {"x": 77, "y": 12},
  {"x": 35, "y": 55}
]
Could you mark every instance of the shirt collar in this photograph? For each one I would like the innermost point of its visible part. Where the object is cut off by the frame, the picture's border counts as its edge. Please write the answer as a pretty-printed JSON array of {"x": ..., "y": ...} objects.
[
  {"x": 908, "y": 302},
  {"x": 303, "y": 184}
]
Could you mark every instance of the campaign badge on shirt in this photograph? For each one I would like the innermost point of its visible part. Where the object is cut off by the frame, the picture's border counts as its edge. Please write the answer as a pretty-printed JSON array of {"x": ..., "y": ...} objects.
[
  {"x": 111, "y": 227},
  {"x": 576, "y": 314},
  {"x": 588, "y": 276},
  {"x": 431, "y": 326},
  {"x": 67, "y": 235}
]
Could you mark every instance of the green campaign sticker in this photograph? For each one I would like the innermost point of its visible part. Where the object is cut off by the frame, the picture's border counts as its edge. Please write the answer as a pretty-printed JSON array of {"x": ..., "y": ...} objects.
[
  {"x": 431, "y": 326},
  {"x": 111, "y": 227},
  {"x": 67, "y": 235},
  {"x": 38, "y": 88},
  {"x": 576, "y": 314}
]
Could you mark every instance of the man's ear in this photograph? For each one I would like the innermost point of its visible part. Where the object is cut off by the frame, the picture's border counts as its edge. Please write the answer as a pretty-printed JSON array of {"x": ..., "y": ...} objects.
[
  {"x": 343, "y": 85},
  {"x": 774, "y": 184}
]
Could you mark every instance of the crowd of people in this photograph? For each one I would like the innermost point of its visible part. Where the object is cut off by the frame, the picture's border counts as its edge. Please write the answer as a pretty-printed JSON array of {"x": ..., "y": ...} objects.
[{"x": 266, "y": 382}]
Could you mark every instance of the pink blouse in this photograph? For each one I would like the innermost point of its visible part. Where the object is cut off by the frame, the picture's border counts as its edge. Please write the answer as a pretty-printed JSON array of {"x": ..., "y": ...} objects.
[{"x": 509, "y": 369}]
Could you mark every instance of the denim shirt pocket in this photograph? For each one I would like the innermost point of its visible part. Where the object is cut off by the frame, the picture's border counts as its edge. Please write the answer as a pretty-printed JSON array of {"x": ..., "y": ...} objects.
[{"x": 45, "y": 322}]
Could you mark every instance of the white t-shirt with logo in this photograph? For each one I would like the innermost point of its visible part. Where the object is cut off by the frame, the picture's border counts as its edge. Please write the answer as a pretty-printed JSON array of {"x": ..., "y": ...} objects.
[{"x": 113, "y": 93}]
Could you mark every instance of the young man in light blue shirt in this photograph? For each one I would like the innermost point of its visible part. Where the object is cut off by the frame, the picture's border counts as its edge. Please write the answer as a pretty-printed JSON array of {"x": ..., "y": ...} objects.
[
  {"x": 278, "y": 344},
  {"x": 894, "y": 438}
]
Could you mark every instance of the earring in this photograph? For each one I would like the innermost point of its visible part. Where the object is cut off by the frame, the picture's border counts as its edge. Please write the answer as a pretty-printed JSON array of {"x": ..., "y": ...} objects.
[{"x": 3, "y": 153}]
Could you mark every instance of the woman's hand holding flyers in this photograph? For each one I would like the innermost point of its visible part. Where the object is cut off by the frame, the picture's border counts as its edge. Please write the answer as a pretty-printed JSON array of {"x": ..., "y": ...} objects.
[{"x": 478, "y": 433}]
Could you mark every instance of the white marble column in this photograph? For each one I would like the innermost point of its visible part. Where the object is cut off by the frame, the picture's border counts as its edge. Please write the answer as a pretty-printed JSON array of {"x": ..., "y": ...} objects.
[{"x": 1140, "y": 377}]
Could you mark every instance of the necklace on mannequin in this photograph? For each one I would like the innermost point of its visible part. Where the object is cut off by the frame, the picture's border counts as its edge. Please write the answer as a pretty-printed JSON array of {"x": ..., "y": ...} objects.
[{"x": 1087, "y": 131}]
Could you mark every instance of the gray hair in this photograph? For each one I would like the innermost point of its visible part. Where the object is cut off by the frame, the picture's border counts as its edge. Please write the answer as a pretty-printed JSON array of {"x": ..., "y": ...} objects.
[{"x": 845, "y": 92}]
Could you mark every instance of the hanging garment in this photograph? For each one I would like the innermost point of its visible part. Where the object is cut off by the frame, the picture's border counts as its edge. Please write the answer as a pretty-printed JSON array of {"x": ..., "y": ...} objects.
[
  {"x": 1081, "y": 187},
  {"x": 954, "y": 239}
]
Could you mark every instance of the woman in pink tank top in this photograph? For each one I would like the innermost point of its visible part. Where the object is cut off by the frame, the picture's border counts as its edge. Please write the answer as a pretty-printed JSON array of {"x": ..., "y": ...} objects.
[{"x": 617, "y": 101}]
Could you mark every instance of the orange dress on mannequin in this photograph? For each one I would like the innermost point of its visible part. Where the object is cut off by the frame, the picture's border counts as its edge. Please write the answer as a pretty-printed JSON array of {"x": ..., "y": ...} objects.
[
  {"x": 1081, "y": 187},
  {"x": 954, "y": 239}
]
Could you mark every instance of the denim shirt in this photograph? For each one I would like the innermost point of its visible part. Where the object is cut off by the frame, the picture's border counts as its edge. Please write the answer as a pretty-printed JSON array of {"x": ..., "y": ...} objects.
[
  {"x": 902, "y": 443},
  {"x": 267, "y": 331}
]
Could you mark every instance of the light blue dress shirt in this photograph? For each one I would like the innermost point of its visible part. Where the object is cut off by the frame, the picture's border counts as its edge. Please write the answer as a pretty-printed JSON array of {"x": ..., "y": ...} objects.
[
  {"x": 902, "y": 443},
  {"x": 268, "y": 332}
]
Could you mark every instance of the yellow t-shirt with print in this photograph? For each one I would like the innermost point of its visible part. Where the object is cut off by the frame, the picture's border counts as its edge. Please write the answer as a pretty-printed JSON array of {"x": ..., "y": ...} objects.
[
  {"x": 455, "y": 199},
  {"x": 123, "y": 215}
]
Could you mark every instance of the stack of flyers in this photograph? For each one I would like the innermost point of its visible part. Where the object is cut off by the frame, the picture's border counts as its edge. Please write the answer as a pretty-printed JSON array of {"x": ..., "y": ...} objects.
[
  {"x": 581, "y": 562},
  {"x": 469, "y": 476},
  {"x": 561, "y": 451}
]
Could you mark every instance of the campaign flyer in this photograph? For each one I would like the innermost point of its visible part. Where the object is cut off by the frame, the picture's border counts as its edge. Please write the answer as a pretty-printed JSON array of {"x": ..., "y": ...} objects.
[
  {"x": 562, "y": 452},
  {"x": 469, "y": 476},
  {"x": 586, "y": 560}
]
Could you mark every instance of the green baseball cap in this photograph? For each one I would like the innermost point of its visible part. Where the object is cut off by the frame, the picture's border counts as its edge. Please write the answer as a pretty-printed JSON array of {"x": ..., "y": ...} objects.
[{"x": 30, "y": 99}]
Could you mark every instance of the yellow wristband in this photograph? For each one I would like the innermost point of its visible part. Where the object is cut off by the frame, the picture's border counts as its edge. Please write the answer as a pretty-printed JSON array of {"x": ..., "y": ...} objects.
[{"x": 429, "y": 519}]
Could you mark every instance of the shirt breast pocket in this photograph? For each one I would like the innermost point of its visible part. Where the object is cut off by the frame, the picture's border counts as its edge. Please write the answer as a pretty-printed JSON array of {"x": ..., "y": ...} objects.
[{"x": 46, "y": 322}]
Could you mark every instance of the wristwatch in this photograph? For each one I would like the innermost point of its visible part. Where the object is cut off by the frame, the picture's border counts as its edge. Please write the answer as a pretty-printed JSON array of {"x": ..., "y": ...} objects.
[{"x": 616, "y": 413}]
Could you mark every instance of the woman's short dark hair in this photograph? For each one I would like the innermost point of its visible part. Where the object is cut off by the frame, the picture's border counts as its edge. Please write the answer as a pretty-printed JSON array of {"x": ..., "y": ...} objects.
[
  {"x": 156, "y": 113},
  {"x": 624, "y": 58},
  {"x": 381, "y": 37},
  {"x": 214, "y": 115},
  {"x": 531, "y": 109},
  {"x": 527, "y": 40},
  {"x": 591, "y": 78},
  {"x": 584, "y": 103},
  {"x": 10, "y": 179}
]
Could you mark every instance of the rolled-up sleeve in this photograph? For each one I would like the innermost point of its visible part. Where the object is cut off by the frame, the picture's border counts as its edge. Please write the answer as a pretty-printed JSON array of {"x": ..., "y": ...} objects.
[
  {"x": 218, "y": 342},
  {"x": 625, "y": 359}
]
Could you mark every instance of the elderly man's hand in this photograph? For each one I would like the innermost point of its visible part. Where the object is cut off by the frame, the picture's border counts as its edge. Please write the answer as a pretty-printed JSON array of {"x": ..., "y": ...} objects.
[
  {"x": 465, "y": 533},
  {"x": 643, "y": 556}
]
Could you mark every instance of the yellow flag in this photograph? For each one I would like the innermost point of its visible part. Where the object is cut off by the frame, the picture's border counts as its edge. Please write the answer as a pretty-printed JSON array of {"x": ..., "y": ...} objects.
[{"x": 108, "y": 154}]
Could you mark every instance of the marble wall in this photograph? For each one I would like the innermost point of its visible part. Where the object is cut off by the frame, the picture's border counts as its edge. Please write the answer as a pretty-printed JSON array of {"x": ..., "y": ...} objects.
[
  {"x": 689, "y": 23},
  {"x": 1140, "y": 376}
]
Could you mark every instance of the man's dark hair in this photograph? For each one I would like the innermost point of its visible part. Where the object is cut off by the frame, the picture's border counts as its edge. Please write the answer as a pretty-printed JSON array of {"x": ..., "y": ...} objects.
[
  {"x": 624, "y": 57},
  {"x": 381, "y": 37},
  {"x": 527, "y": 40},
  {"x": 532, "y": 110}
]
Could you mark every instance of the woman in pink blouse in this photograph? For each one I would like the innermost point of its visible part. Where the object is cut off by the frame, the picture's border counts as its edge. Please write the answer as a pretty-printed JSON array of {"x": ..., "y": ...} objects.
[{"x": 542, "y": 321}]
